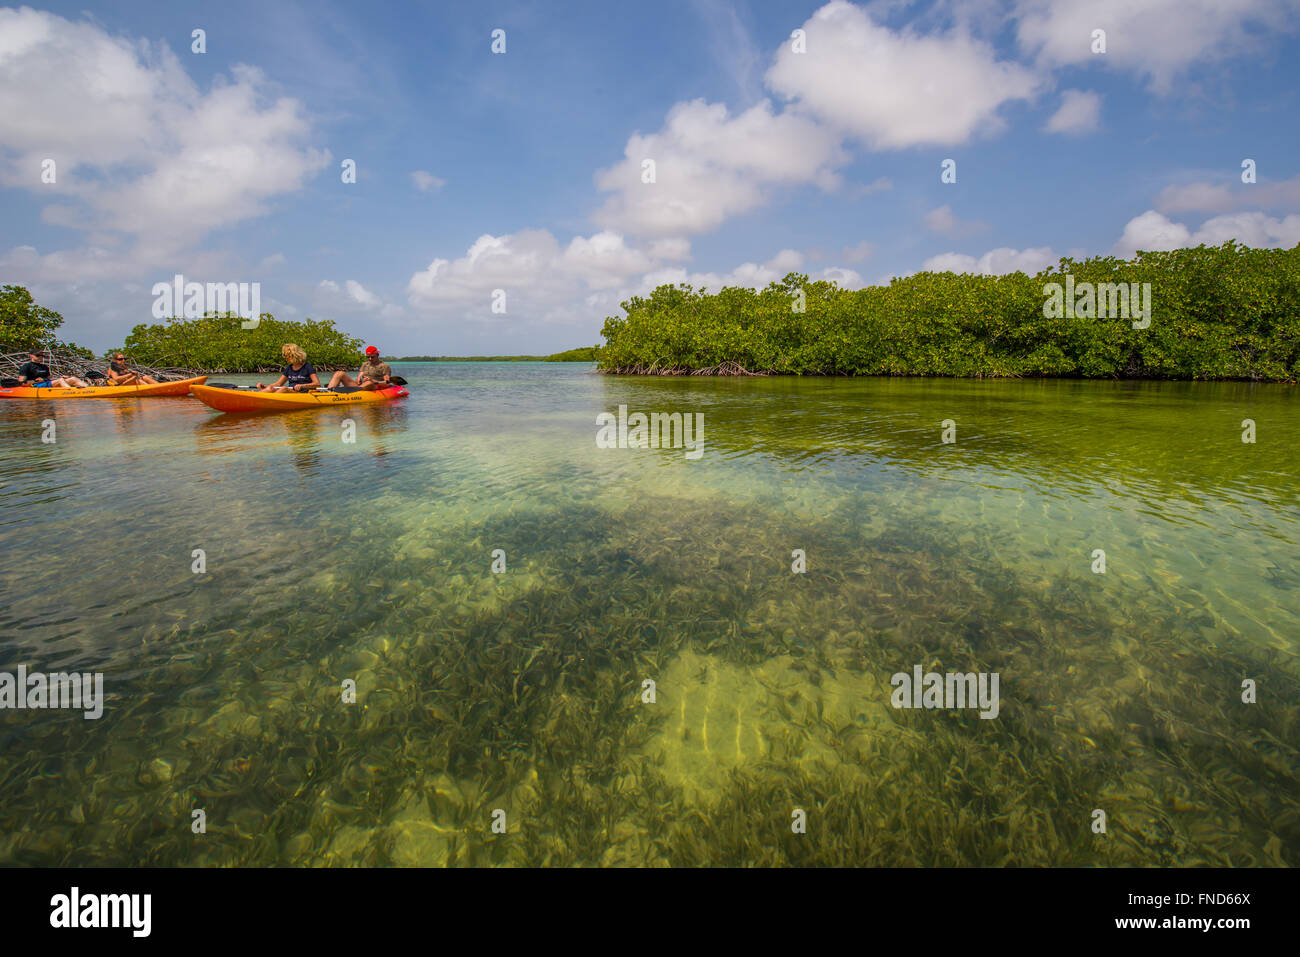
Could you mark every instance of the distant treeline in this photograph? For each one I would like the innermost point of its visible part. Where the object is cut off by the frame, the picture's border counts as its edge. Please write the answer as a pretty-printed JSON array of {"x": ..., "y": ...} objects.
[
  {"x": 1226, "y": 312},
  {"x": 581, "y": 354},
  {"x": 221, "y": 344}
]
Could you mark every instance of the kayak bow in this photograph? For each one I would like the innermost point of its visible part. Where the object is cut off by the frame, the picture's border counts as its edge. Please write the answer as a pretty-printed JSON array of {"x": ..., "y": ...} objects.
[
  {"x": 179, "y": 387},
  {"x": 238, "y": 400}
]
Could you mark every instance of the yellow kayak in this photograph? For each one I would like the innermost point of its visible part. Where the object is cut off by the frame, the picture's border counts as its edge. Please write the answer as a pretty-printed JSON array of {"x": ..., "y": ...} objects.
[
  {"x": 179, "y": 387},
  {"x": 240, "y": 400}
]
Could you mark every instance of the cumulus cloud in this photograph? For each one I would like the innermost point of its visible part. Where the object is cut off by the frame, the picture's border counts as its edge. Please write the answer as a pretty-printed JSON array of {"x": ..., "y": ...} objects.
[
  {"x": 1157, "y": 39},
  {"x": 602, "y": 260},
  {"x": 894, "y": 90},
  {"x": 351, "y": 296},
  {"x": 425, "y": 182},
  {"x": 671, "y": 249},
  {"x": 585, "y": 279},
  {"x": 139, "y": 149},
  {"x": 943, "y": 221},
  {"x": 1080, "y": 112},
  {"x": 1223, "y": 198},
  {"x": 847, "y": 278},
  {"x": 710, "y": 166},
  {"x": 541, "y": 278},
  {"x": 360, "y": 295},
  {"x": 1154, "y": 231},
  {"x": 995, "y": 262},
  {"x": 859, "y": 253},
  {"x": 787, "y": 260}
]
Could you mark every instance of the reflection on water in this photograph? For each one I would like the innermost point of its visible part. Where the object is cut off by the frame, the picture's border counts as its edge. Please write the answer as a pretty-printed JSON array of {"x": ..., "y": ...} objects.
[{"x": 371, "y": 561}]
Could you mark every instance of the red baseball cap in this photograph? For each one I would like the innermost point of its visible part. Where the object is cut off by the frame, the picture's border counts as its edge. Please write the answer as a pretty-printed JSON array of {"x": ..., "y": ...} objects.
[{"x": 371, "y": 351}]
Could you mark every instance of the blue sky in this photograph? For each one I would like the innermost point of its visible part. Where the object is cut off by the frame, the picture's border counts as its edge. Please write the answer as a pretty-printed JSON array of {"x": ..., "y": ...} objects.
[{"x": 521, "y": 171}]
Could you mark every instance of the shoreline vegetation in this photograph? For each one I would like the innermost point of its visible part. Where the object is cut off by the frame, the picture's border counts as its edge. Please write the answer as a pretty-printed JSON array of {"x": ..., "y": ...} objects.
[
  {"x": 220, "y": 345},
  {"x": 1225, "y": 312},
  {"x": 581, "y": 354}
]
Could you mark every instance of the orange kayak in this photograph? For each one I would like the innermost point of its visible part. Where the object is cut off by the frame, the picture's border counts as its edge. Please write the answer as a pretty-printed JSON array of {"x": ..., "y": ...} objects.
[
  {"x": 179, "y": 387},
  {"x": 240, "y": 400}
]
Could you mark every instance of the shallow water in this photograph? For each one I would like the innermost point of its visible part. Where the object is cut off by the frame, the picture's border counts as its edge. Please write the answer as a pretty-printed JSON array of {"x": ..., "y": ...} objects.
[{"x": 523, "y": 692}]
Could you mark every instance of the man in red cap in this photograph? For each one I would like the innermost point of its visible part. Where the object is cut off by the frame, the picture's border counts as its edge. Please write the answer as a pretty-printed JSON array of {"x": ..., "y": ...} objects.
[{"x": 373, "y": 374}]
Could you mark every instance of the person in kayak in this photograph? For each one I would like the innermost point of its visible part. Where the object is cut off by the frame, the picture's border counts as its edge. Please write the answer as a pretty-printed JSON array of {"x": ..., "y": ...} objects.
[
  {"x": 36, "y": 374},
  {"x": 373, "y": 374},
  {"x": 119, "y": 373},
  {"x": 298, "y": 376}
]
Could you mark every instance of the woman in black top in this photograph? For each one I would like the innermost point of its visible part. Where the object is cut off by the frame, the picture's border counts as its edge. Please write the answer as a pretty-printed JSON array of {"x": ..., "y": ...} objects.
[{"x": 297, "y": 376}]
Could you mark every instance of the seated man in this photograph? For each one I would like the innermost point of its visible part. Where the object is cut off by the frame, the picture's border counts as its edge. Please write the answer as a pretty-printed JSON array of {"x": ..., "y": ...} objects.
[
  {"x": 372, "y": 375},
  {"x": 120, "y": 374},
  {"x": 36, "y": 374}
]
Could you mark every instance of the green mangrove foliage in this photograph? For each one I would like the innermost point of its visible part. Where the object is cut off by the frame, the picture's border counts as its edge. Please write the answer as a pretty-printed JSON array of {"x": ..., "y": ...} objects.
[
  {"x": 1225, "y": 312},
  {"x": 220, "y": 343},
  {"x": 25, "y": 325}
]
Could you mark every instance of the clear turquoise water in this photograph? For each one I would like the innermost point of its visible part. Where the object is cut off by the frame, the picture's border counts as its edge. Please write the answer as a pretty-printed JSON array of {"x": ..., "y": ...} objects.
[{"x": 522, "y": 692}]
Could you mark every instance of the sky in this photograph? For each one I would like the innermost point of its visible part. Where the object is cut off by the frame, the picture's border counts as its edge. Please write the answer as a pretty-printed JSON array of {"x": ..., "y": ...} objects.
[{"x": 502, "y": 201}]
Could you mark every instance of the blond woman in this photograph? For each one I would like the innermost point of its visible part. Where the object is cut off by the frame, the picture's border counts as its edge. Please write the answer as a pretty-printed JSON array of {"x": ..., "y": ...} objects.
[{"x": 297, "y": 376}]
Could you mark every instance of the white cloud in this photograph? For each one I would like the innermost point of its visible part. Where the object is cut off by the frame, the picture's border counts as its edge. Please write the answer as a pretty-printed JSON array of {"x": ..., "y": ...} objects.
[
  {"x": 360, "y": 295},
  {"x": 787, "y": 260},
  {"x": 672, "y": 249},
  {"x": 603, "y": 260},
  {"x": 859, "y": 253},
  {"x": 847, "y": 278},
  {"x": 1151, "y": 230},
  {"x": 1080, "y": 112},
  {"x": 897, "y": 90},
  {"x": 1154, "y": 231},
  {"x": 351, "y": 297},
  {"x": 875, "y": 186},
  {"x": 1223, "y": 198},
  {"x": 942, "y": 221},
  {"x": 425, "y": 182},
  {"x": 587, "y": 279},
  {"x": 140, "y": 150},
  {"x": 1158, "y": 39},
  {"x": 710, "y": 166},
  {"x": 541, "y": 279},
  {"x": 995, "y": 262}
]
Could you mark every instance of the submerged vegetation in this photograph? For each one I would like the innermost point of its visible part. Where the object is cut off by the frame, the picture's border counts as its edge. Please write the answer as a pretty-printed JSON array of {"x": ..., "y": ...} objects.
[
  {"x": 525, "y": 695},
  {"x": 1226, "y": 312}
]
